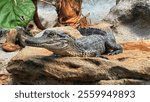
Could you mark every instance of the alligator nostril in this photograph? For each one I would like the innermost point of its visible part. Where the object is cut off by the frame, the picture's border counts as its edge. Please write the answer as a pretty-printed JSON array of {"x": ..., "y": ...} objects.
[{"x": 30, "y": 41}]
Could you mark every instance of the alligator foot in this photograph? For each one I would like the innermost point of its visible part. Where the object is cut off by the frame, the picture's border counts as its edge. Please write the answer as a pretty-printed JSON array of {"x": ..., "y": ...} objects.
[
  {"x": 115, "y": 52},
  {"x": 98, "y": 54},
  {"x": 101, "y": 56},
  {"x": 104, "y": 57}
]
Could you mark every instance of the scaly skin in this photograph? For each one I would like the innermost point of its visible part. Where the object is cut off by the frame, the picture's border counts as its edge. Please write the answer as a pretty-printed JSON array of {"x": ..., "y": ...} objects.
[
  {"x": 111, "y": 45},
  {"x": 93, "y": 44}
]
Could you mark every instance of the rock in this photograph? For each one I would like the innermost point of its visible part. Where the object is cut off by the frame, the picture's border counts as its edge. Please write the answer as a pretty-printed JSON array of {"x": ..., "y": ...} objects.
[
  {"x": 117, "y": 1},
  {"x": 5, "y": 77},
  {"x": 2, "y": 39},
  {"x": 121, "y": 82},
  {"x": 96, "y": 9},
  {"x": 40, "y": 67},
  {"x": 130, "y": 19},
  {"x": 138, "y": 58},
  {"x": 140, "y": 45},
  {"x": 127, "y": 10},
  {"x": 102, "y": 25},
  {"x": 48, "y": 14}
]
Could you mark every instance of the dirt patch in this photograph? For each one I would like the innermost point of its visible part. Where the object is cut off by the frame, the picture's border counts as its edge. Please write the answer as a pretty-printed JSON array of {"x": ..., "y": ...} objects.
[
  {"x": 140, "y": 45},
  {"x": 5, "y": 79},
  {"x": 135, "y": 55}
]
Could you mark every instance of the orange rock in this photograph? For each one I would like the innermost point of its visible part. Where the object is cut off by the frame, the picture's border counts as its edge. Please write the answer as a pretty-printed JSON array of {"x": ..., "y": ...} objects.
[
  {"x": 10, "y": 47},
  {"x": 140, "y": 45}
]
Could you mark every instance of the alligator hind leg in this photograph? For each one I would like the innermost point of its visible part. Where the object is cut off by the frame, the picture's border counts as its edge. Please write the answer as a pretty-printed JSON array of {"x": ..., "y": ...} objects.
[
  {"x": 98, "y": 54},
  {"x": 115, "y": 48}
]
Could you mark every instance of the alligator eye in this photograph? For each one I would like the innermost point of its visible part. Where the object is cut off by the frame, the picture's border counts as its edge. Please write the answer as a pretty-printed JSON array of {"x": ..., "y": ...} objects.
[
  {"x": 62, "y": 35},
  {"x": 50, "y": 35}
]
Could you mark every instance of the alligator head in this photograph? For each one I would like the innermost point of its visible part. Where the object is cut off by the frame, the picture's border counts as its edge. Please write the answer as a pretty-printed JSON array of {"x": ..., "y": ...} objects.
[{"x": 51, "y": 39}]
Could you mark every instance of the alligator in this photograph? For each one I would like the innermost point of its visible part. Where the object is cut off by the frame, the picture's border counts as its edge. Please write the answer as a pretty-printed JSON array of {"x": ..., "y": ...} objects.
[{"x": 94, "y": 42}]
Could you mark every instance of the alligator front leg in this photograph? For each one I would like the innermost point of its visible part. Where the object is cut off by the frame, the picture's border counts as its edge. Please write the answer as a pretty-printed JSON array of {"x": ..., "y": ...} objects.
[
  {"x": 93, "y": 53},
  {"x": 115, "y": 48}
]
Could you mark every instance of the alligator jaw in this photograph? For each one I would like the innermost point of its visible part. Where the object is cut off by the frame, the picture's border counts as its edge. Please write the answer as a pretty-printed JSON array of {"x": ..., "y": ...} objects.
[
  {"x": 36, "y": 42},
  {"x": 50, "y": 44},
  {"x": 50, "y": 40}
]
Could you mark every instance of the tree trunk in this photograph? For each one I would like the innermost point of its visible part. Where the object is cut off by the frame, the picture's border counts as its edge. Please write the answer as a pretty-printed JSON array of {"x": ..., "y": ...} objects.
[{"x": 69, "y": 12}]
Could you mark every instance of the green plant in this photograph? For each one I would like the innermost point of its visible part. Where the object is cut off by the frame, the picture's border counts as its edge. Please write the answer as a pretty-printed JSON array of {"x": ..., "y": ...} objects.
[{"x": 16, "y": 13}]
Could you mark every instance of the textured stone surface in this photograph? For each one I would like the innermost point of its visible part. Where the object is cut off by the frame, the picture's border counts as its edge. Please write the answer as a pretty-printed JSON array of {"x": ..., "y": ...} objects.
[
  {"x": 39, "y": 67},
  {"x": 123, "y": 82},
  {"x": 2, "y": 39},
  {"x": 48, "y": 15},
  {"x": 5, "y": 57},
  {"x": 131, "y": 19},
  {"x": 98, "y": 9}
]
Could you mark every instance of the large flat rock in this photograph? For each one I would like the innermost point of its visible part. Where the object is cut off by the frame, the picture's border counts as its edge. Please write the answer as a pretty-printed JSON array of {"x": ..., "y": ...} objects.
[{"x": 38, "y": 66}]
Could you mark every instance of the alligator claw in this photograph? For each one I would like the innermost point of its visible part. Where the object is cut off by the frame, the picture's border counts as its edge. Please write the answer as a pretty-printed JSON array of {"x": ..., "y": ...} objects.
[
  {"x": 102, "y": 57},
  {"x": 114, "y": 52},
  {"x": 110, "y": 54}
]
